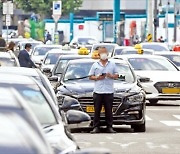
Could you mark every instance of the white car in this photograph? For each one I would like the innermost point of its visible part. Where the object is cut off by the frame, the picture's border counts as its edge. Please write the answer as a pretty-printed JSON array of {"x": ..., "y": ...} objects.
[
  {"x": 161, "y": 77},
  {"x": 173, "y": 56},
  {"x": 81, "y": 41},
  {"x": 134, "y": 51},
  {"x": 109, "y": 46},
  {"x": 52, "y": 57},
  {"x": 40, "y": 51},
  {"x": 156, "y": 46}
]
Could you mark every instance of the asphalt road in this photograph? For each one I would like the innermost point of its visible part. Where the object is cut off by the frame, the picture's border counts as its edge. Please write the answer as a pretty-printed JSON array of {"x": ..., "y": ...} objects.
[{"x": 162, "y": 135}]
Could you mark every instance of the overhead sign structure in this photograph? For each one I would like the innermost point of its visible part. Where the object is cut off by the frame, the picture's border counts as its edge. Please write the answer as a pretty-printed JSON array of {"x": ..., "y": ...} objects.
[
  {"x": 57, "y": 7},
  {"x": 8, "y": 8}
]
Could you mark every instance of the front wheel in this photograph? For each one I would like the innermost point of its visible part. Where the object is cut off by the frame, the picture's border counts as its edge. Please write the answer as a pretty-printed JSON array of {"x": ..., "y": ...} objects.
[{"x": 139, "y": 128}]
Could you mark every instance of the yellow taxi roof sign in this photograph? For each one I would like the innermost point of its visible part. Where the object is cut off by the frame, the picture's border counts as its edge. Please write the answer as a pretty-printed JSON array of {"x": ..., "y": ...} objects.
[
  {"x": 83, "y": 51},
  {"x": 95, "y": 54},
  {"x": 138, "y": 46}
]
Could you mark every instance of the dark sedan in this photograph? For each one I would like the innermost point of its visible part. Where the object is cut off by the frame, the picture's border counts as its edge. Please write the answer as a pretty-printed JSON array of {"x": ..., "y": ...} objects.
[{"x": 129, "y": 98}]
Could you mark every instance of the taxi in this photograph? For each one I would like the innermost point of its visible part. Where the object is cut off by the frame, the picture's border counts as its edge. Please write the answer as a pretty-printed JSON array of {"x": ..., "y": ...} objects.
[
  {"x": 161, "y": 76},
  {"x": 129, "y": 97}
]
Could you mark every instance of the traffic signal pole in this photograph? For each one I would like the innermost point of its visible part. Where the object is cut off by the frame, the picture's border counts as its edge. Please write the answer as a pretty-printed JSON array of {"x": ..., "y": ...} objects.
[
  {"x": 116, "y": 18},
  {"x": 155, "y": 20}
]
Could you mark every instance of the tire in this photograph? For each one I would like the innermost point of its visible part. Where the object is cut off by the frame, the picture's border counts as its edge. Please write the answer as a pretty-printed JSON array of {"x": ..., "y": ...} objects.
[
  {"x": 153, "y": 101},
  {"x": 139, "y": 128}
]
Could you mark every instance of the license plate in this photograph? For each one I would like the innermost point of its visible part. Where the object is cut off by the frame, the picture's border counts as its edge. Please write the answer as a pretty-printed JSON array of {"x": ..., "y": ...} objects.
[
  {"x": 171, "y": 90},
  {"x": 90, "y": 109}
]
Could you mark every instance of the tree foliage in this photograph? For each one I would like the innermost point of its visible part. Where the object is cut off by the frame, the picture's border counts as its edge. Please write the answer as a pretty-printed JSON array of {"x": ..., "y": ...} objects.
[{"x": 44, "y": 7}]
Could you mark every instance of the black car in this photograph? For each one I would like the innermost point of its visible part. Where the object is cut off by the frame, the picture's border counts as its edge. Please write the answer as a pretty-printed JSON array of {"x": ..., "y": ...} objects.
[
  {"x": 20, "y": 132},
  {"x": 129, "y": 97}
]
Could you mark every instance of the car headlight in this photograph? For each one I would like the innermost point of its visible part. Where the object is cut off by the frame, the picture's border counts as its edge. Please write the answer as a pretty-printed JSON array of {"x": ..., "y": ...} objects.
[{"x": 136, "y": 98}]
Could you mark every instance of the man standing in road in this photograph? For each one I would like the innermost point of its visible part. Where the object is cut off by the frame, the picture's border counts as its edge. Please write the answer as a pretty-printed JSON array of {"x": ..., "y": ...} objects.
[
  {"x": 103, "y": 73},
  {"x": 24, "y": 58}
]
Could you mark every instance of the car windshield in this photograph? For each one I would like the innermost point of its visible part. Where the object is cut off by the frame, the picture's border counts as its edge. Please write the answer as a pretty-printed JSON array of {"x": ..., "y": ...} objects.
[
  {"x": 52, "y": 58},
  {"x": 152, "y": 64},
  {"x": 38, "y": 103},
  {"x": 7, "y": 62},
  {"x": 41, "y": 51},
  {"x": 110, "y": 48},
  {"x": 84, "y": 41},
  {"x": 154, "y": 47},
  {"x": 118, "y": 51},
  {"x": 174, "y": 58},
  {"x": 79, "y": 70}
]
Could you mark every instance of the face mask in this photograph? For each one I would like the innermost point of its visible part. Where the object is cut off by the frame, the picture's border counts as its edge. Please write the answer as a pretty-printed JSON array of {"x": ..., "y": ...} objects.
[{"x": 103, "y": 56}]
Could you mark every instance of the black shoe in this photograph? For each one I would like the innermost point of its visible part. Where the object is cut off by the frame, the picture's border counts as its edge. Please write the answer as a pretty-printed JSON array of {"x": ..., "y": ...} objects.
[
  {"x": 95, "y": 130},
  {"x": 110, "y": 130}
]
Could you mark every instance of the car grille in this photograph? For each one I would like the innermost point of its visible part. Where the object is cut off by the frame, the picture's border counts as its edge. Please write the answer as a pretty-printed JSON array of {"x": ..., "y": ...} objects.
[
  {"x": 88, "y": 101},
  {"x": 160, "y": 85}
]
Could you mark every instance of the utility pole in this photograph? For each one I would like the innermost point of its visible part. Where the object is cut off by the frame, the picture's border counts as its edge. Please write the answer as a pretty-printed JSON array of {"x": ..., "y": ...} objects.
[
  {"x": 155, "y": 20},
  {"x": 167, "y": 28},
  {"x": 150, "y": 17},
  {"x": 116, "y": 18}
]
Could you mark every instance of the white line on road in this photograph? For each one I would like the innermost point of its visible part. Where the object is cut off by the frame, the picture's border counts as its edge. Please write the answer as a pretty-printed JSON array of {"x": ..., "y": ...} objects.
[
  {"x": 154, "y": 146},
  {"x": 163, "y": 109},
  {"x": 178, "y": 129},
  {"x": 171, "y": 123},
  {"x": 148, "y": 118},
  {"x": 109, "y": 137},
  {"x": 177, "y": 116}
]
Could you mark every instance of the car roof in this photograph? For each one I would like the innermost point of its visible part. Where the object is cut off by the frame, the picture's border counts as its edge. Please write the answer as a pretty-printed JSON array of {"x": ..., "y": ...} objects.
[
  {"x": 95, "y": 60},
  {"x": 167, "y": 53},
  {"x": 19, "y": 71},
  {"x": 15, "y": 79},
  {"x": 133, "y": 49},
  {"x": 138, "y": 56},
  {"x": 5, "y": 55},
  {"x": 48, "y": 45},
  {"x": 8, "y": 98},
  {"x": 74, "y": 56},
  {"x": 149, "y": 43},
  {"x": 60, "y": 51}
]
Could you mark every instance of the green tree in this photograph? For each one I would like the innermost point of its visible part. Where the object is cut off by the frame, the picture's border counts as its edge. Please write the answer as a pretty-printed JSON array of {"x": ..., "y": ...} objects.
[{"x": 44, "y": 7}]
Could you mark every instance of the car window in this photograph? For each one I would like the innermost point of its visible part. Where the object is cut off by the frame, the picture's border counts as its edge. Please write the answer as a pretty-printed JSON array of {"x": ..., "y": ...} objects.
[
  {"x": 154, "y": 47},
  {"x": 152, "y": 64},
  {"x": 118, "y": 52},
  {"x": 52, "y": 58},
  {"x": 61, "y": 66},
  {"x": 7, "y": 62},
  {"x": 174, "y": 58},
  {"x": 38, "y": 104},
  {"x": 40, "y": 51}
]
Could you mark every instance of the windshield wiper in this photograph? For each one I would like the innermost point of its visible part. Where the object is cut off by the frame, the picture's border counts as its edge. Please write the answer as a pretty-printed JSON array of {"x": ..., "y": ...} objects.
[{"x": 77, "y": 78}]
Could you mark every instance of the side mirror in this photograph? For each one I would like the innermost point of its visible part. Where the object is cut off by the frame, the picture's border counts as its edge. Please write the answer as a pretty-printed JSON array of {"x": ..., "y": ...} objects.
[
  {"x": 144, "y": 79},
  {"x": 46, "y": 70},
  {"x": 53, "y": 78},
  {"x": 69, "y": 103},
  {"x": 78, "y": 119}
]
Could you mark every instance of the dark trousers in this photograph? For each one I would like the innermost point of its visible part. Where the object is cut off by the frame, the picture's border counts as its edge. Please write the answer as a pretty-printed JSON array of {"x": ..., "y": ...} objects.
[{"x": 99, "y": 101}]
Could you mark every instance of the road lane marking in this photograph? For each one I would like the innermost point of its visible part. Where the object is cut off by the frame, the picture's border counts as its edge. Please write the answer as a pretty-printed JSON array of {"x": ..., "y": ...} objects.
[
  {"x": 154, "y": 146},
  {"x": 171, "y": 123},
  {"x": 148, "y": 118},
  {"x": 163, "y": 109},
  {"x": 109, "y": 137},
  {"x": 124, "y": 146},
  {"x": 177, "y": 116},
  {"x": 178, "y": 129}
]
